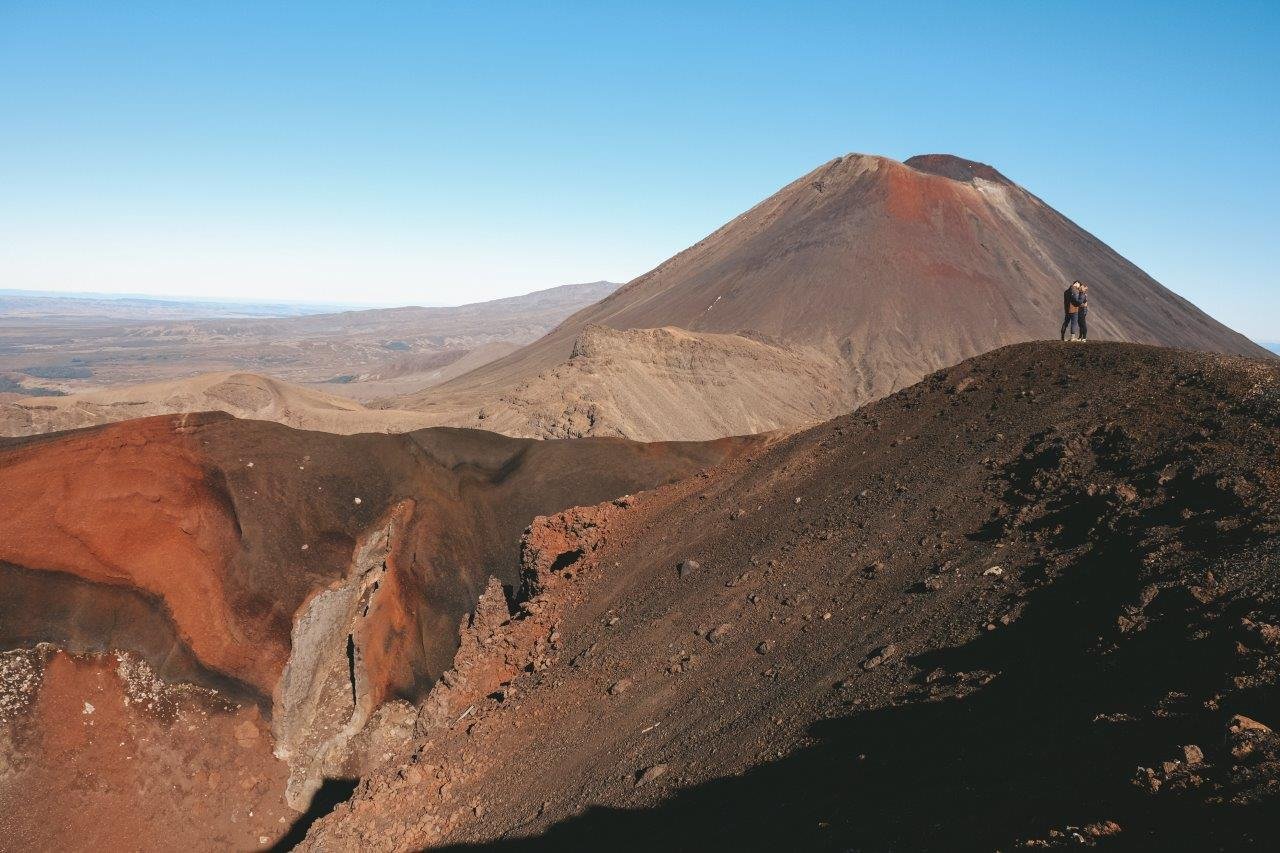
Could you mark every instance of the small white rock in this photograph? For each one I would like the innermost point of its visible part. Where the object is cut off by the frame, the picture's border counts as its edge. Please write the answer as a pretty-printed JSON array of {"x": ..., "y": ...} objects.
[
  {"x": 88, "y": 709},
  {"x": 358, "y": 501}
]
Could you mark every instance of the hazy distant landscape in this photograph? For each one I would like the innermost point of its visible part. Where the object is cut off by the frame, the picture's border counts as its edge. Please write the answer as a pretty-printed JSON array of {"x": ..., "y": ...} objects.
[
  {"x": 58, "y": 345},
  {"x": 46, "y": 304}
]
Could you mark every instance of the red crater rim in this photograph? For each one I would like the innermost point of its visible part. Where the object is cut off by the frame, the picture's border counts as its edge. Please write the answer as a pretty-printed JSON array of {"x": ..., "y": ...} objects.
[{"x": 955, "y": 168}]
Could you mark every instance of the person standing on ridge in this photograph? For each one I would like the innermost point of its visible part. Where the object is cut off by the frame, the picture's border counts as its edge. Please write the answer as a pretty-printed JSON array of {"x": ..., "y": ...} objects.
[
  {"x": 1083, "y": 314},
  {"x": 1073, "y": 306}
]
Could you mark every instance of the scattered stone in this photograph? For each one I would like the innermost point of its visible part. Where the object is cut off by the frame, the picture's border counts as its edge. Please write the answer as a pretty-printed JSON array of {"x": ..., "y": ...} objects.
[
  {"x": 1268, "y": 634},
  {"x": 1147, "y": 779},
  {"x": 1114, "y": 718},
  {"x": 622, "y": 685},
  {"x": 358, "y": 502},
  {"x": 687, "y": 567},
  {"x": 1242, "y": 749},
  {"x": 1240, "y": 724},
  {"x": 649, "y": 774},
  {"x": 1193, "y": 755},
  {"x": 680, "y": 663},
  {"x": 720, "y": 633},
  {"x": 1103, "y": 829},
  {"x": 880, "y": 657},
  {"x": 994, "y": 570},
  {"x": 765, "y": 647}
]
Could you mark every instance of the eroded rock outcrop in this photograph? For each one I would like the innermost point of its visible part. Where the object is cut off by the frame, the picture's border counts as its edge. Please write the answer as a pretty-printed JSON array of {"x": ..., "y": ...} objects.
[{"x": 506, "y": 645}]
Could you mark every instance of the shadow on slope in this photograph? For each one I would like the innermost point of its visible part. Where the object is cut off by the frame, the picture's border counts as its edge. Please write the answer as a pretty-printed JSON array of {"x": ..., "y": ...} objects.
[
  {"x": 333, "y": 793},
  {"x": 1079, "y": 701}
]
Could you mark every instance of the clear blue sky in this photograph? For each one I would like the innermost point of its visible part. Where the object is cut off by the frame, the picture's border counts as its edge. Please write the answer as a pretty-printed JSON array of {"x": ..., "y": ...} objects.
[{"x": 444, "y": 152}]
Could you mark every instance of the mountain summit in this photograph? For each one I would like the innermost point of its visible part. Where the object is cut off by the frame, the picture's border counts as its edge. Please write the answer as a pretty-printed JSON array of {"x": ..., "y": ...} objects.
[
  {"x": 855, "y": 280},
  {"x": 956, "y": 168}
]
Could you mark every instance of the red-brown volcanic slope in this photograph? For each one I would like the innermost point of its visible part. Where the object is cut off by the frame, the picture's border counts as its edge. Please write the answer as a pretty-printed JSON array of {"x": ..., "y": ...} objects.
[
  {"x": 868, "y": 271},
  {"x": 297, "y": 581},
  {"x": 1033, "y": 599}
]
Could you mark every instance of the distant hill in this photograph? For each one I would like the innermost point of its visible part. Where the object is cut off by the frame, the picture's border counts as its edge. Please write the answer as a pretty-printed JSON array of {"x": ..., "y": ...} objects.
[
  {"x": 134, "y": 307},
  {"x": 48, "y": 349}
]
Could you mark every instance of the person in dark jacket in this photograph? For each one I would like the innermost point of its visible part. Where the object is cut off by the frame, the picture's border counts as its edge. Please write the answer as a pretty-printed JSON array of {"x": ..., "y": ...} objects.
[
  {"x": 1083, "y": 314},
  {"x": 1075, "y": 305}
]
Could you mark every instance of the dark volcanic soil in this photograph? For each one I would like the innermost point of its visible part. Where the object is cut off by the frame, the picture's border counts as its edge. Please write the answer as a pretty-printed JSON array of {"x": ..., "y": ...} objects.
[{"x": 1029, "y": 601}]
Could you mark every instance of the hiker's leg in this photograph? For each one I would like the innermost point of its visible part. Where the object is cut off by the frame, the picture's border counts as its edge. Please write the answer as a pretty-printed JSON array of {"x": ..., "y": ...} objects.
[
  {"x": 1084, "y": 329},
  {"x": 1066, "y": 321}
]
